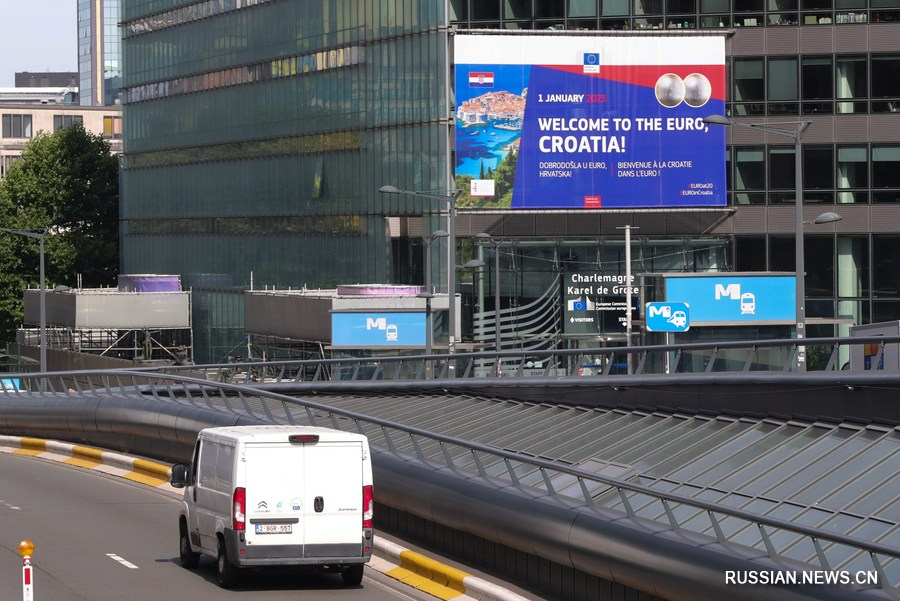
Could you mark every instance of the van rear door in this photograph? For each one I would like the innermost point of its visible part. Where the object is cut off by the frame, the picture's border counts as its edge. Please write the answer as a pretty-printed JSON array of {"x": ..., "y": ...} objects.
[
  {"x": 334, "y": 506},
  {"x": 309, "y": 495},
  {"x": 275, "y": 483}
]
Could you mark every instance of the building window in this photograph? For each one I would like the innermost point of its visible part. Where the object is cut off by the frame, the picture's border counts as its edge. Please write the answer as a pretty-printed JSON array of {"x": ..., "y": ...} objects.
[
  {"x": 17, "y": 126},
  {"x": 817, "y": 80},
  {"x": 582, "y": 8},
  {"x": 112, "y": 128},
  {"x": 886, "y": 83},
  {"x": 850, "y": 85},
  {"x": 885, "y": 265},
  {"x": 782, "y": 86},
  {"x": 782, "y": 170},
  {"x": 612, "y": 8},
  {"x": 517, "y": 9},
  {"x": 818, "y": 174},
  {"x": 852, "y": 174},
  {"x": 750, "y": 253},
  {"x": 62, "y": 121},
  {"x": 852, "y": 266},
  {"x": 885, "y": 173},
  {"x": 749, "y": 176},
  {"x": 819, "y": 262},
  {"x": 486, "y": 9},
  {"x": 749, "y": 86},
  {"x": 459, "y": 10}
]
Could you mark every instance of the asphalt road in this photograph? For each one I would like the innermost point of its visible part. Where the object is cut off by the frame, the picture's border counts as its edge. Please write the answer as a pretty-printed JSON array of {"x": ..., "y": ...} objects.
[{"x": 102, "y": 538}]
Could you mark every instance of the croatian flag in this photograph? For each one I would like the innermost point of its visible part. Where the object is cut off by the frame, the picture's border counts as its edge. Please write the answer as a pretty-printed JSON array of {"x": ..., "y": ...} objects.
[
  {"x": 592, "y": 62},
  {"x": 481, "y": 79}
]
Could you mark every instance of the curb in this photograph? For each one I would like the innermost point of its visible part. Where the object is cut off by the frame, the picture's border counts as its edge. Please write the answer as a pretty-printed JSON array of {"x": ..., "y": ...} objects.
[
  {"x": 414, "y": 569},
  {"x": 440, "y": 580},
  {"x": 137, "y": 470}
]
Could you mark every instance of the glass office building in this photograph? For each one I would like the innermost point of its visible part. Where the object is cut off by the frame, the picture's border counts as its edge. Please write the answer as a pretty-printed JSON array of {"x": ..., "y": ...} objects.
[
  {"x": 257, "y": 134},
  {"x": 834, "y": 63},
  {"x": 99, "y": 52}
]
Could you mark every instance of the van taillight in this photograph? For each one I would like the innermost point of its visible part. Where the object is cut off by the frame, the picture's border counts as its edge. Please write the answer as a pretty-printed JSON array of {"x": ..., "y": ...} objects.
[
  {"x": 239, "y": 502},
  {"x": 368, "y": 506}
]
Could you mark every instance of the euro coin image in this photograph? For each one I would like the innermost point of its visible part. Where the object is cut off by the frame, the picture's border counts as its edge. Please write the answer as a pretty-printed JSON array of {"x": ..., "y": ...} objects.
[
  {"x": 697, "y": 89},
  {"x": 670, "y": 90}
]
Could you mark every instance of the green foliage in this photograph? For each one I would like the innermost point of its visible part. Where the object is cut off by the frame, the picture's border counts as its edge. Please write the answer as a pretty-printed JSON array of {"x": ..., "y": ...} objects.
[
  {"x": 66, "y": 183},
  {"x": 504, "y": 178}
]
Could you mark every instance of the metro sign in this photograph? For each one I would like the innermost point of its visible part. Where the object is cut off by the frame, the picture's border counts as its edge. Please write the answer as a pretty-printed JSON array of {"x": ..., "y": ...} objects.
[{"x": 667, "y": 317}]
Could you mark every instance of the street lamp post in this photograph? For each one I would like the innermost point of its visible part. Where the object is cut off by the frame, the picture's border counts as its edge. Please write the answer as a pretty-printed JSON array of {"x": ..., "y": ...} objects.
[
  {"x": 794, "y": 130},
  {"x": 497, "y": 338},
  {"x": 628, "y": 282},
  {"x": 450, "y": 199},
  {"x": 42, "y": 294},
  {"x": 429, "y": 293}
]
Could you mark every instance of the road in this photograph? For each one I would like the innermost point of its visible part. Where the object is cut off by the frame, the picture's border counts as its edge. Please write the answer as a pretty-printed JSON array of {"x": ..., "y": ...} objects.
[{"x": 102, "y": 538}]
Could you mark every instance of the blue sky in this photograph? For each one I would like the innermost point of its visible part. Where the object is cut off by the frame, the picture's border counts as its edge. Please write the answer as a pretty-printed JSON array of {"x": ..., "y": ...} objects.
[{"x": 37, "y": 35}]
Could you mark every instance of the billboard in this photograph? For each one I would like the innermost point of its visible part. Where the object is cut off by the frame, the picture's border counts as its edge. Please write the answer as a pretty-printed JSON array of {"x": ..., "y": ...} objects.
[
  {"x": 590, "y": 122},
  {"x": 733, "y": 299},
  {"x": 368, "y": 330},
  {"x": 595, "y": 303}
]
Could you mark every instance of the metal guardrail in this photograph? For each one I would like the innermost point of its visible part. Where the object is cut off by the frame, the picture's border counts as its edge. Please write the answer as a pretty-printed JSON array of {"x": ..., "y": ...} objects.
[
  {"x": 771, "y": 356},
  {"x": 783, "y": 542}
]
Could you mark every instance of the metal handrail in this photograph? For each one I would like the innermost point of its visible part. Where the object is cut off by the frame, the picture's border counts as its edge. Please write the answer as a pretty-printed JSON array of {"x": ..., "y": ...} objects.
[
  {"x": 552, "y": 361},
  {"x": 450, "y": 452}
]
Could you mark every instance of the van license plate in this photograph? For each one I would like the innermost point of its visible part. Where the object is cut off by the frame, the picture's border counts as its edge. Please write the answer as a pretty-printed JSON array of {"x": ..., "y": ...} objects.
[{"x": 273, "y": 528}]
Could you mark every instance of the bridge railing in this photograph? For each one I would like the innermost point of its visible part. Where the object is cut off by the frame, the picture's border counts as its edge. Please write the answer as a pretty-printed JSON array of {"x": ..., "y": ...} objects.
[
  {"x": 696, "y": 521},
  {"x": 778, "y": 355}
]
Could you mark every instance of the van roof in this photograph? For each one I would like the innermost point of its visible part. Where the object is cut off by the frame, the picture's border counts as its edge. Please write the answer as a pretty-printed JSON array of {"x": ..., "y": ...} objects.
[{"x": 277, "y": 433}]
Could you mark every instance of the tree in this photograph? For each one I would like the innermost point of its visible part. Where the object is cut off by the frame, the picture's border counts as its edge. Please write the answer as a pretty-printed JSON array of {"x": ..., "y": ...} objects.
[{"x": 66, "y": 183}]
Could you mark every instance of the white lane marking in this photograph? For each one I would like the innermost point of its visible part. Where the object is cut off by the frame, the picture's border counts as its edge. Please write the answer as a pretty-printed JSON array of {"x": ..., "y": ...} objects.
[
  {"x": 124, "y": 562},
  {"x": 8, "y": 505}
]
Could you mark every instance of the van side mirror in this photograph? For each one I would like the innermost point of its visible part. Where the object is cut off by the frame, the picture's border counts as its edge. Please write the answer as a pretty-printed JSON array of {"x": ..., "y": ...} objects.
[{"x": 179, "y": 475}]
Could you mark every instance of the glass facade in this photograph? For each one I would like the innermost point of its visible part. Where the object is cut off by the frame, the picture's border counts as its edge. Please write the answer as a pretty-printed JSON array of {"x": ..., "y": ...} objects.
[
  {"x": 99, "y": 52},
  {"x": 668, "y": 14},
  {"x": 844, "y": 169},
  {"x": 257, "y": 134}
]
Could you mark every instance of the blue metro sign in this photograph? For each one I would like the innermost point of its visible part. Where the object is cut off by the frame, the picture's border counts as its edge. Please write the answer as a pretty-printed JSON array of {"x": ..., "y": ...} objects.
[{"x": 667, "y": 317}]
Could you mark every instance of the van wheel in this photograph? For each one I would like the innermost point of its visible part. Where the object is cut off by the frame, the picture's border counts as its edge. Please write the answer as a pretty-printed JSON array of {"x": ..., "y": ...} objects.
[
  {"x": 189, "y": 558},
  {"x": 353, "y": 575},
  {"x": 226, "y": 572}
]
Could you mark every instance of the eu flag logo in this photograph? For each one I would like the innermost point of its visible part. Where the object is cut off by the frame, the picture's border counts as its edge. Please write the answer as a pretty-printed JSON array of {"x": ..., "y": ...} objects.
[{"x": 592, "y": 62}]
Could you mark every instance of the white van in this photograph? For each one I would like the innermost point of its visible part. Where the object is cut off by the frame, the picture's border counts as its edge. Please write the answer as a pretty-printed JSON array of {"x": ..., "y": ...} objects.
[{"x": 257, "y": 496}]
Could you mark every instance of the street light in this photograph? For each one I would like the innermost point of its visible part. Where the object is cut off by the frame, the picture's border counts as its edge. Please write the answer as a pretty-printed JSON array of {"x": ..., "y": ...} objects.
[
  {"x": 450, "y": 199},
  {"x": 795, "y": 131},
  {"x": 429, "y": 293},
  {"x": 43, "y": 309},
  {"x": 496, "y": 244}
]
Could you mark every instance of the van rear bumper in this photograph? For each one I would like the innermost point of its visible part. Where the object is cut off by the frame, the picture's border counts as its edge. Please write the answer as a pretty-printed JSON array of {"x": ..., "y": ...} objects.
[{"x": 245, "y": 555}]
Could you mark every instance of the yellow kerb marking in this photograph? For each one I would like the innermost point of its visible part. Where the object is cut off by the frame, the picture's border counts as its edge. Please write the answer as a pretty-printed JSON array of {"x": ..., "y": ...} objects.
[
  {"x": 145, "y": 477},
  {"x": 31, "y": 446},
  {"x": 30, "y": 452},
  {"x": 79, "y": 462},
  {"x": 88, "y": 453},
  {"x": 434, "y": 570},
  {"x": 421, "y": 583}
]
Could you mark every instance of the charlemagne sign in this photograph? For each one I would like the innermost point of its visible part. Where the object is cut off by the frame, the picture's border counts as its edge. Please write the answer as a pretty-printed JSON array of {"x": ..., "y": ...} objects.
[{"x": 595, "y": 303}]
